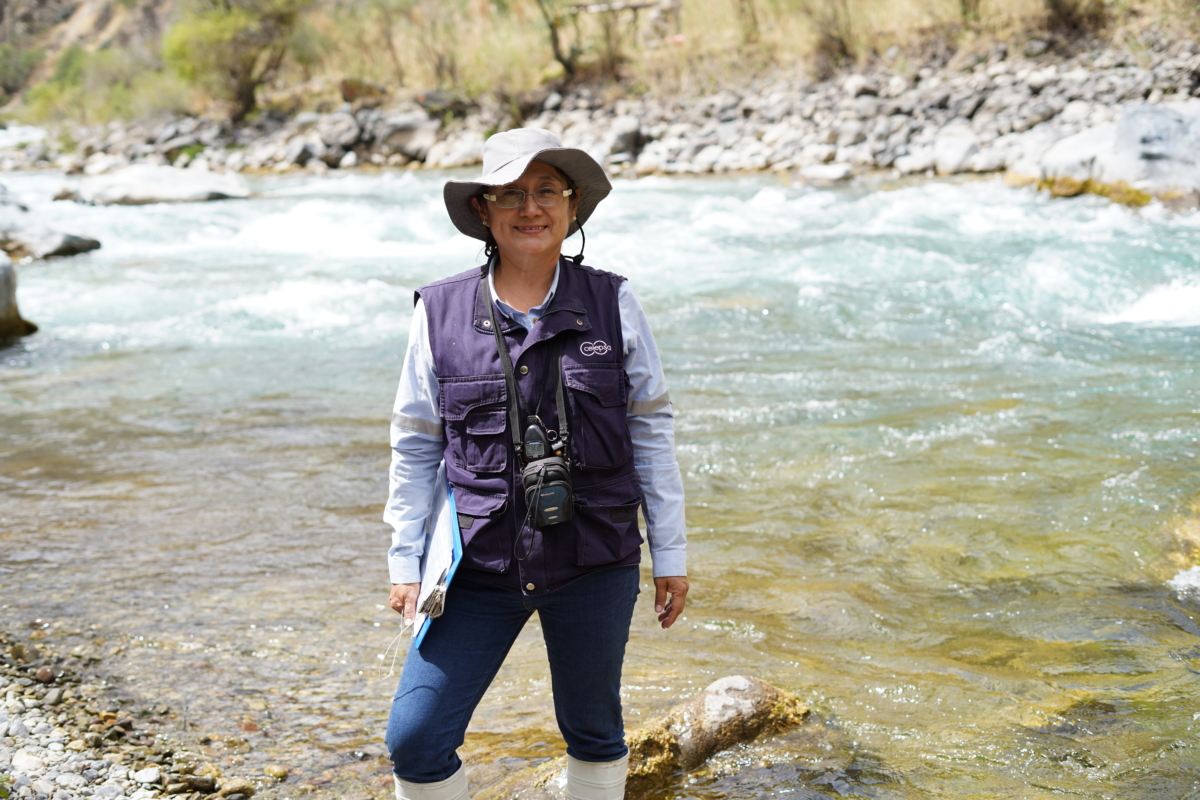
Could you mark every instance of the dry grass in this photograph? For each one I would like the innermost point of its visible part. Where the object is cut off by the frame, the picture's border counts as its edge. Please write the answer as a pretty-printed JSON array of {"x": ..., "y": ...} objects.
[
  {"x": 475, "y": 46},
  {"x": 463, "y": 45},
  {"x": 501, "y": 48}
]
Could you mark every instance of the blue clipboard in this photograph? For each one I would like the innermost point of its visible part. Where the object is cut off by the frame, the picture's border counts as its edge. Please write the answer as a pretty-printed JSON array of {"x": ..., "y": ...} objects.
[{"x": 443, "y": 553}]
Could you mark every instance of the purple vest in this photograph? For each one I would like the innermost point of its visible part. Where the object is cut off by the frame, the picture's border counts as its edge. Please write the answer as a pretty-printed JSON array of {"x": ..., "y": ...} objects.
[{"x": 480, "y": 460}]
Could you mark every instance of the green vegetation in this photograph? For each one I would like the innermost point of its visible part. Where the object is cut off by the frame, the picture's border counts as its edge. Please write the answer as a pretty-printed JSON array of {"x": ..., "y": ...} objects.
[
  {"x": 232, "y": 47},
  {"x": 231, "y": 55},
  {"x": 16, "y": 65},
  {"x": 108, "y": 84}
]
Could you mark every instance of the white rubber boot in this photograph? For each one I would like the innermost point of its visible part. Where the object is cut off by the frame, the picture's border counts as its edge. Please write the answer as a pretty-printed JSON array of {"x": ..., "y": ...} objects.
[
  {"x": 453, "y": 788},
  {"x": 589, "y": 780}
]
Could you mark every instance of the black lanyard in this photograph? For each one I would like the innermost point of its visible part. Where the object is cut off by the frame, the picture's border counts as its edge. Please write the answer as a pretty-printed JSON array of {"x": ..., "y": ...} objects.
[{"x": 514, "y": 392}]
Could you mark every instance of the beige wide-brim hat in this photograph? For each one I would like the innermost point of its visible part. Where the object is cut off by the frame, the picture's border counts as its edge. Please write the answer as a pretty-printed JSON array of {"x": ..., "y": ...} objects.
[{"x": 505, "y": 157}]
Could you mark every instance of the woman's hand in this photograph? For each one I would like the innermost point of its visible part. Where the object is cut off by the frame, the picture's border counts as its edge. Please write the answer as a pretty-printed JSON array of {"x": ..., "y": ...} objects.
[
  {"x": 668, "y": 610},
  {"x": 404, "y": 600}
]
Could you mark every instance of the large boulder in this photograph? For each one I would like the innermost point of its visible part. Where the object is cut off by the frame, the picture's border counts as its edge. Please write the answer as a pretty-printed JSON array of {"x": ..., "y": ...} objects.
[
  {"x": 24, "y": 234},
  {"x": 11, "y": 324},
  {"x": 953, "y": 149},
  {"x": 340, "y": 129},
  {"x": 146, "y": 183},
  {"x": 1152, "y": 150},
  {"x": 1156, "y": 149},
  {"x": 461, "y": 151},
  {"x": 411, "y": 133},
  {"x": 1071, "y": 162},
  {"x": 730, "y": 711},
  {"x": 624, "y": 136}
]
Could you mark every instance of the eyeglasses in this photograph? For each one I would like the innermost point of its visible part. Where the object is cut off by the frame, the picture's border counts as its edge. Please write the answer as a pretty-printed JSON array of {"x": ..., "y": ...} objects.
[{"x": 515, "y": 198}]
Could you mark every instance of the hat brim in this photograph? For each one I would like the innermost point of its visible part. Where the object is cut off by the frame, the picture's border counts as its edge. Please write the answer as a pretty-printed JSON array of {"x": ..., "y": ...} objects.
[{"x": 591, "y": 183}]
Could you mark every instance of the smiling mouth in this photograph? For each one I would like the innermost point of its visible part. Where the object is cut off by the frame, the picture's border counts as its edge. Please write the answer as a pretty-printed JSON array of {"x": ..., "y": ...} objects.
[{"x": 531, "y": 228}]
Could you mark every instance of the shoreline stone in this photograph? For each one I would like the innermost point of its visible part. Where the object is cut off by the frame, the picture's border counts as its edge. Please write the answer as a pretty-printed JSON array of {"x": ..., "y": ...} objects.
[
  {"x": 142, "y": 184},
  {"x": 974, "y": 113},
  {"x": 730, "y": 711},
  {"x": 12, "y": 325},
  {"x": 24, "y": 234},
  {"x": 62, "y": 739}
]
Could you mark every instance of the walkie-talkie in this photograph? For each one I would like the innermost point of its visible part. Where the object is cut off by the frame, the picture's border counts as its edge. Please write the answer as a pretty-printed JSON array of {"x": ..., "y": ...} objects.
[{"x": 537, "y": 441}]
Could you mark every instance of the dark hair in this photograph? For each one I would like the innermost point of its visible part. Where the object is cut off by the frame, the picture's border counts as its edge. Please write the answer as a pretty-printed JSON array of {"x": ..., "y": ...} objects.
[{"x": 490, "y": 248}]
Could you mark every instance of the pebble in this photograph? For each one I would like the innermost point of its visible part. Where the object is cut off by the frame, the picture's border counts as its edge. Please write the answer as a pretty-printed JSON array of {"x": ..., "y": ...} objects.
[
  {"x": 276, "y": 771},
  {"x": 25, "y": 761},
  {"x": 148, "y": 775},
  {"x": 236, "y": 786},
  {"x": 57, "y": 744}
]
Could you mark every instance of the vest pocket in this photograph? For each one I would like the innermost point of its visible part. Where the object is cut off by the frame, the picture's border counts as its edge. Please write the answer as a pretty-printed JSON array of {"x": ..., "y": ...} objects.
[
  {"x": 478, "y": 513},
  {"x": 599, "y": 432},
  {"x": 474, "y": 411},
  {"x": 606, "y": 526}
]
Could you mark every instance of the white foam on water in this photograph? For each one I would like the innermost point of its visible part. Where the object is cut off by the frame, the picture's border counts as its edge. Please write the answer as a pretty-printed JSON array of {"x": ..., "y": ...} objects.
[
  {"x": 1186, "y": 582},
  {"x": 769, "y": 199},
  {"x": 296, "y": 309},
  {"x": 319, "y": 227},
  {"x": 353, "y": 183},
  {"x": 1177, "y": 304},
  {"x": 307, "y": 306}
]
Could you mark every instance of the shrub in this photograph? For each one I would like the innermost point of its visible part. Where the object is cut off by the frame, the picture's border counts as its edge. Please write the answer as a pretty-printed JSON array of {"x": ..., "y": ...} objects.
[
  {"x": 16, "y": 65},
  {"x": 834, "y": 26},
  {"x": 101, "y": 86},
  {"x": 1076, "y": 16},
  {"x": 231, "y": 47}
]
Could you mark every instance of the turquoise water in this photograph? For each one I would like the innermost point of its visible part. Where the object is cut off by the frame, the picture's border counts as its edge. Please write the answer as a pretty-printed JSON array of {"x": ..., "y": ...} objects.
[{"x": 939, "y": 440}]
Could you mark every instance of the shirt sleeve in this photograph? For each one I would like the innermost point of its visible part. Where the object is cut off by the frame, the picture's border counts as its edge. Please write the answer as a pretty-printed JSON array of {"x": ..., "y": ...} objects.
[
  {"x": 416, "y": 438},
  {"x": 652, "y": 427}
]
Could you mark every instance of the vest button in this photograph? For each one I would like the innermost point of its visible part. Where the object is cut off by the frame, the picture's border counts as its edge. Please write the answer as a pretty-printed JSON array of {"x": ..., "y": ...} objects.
[
  {"x": 487, "y": 323},
  {"x": 530, "y": 587},
  {"x": 579, "y": 322},
  {"x": 524, "y": 370}
]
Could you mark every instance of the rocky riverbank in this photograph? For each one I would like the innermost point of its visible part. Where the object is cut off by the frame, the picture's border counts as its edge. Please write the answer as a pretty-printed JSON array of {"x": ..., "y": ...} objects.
[
  {"x": 64, "y": 735},
  {"x": 979, "y": 112}
]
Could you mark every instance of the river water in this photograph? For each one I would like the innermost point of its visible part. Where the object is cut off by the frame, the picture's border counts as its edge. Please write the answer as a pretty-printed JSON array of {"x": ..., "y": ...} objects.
[{"x": 938, "y": 439}]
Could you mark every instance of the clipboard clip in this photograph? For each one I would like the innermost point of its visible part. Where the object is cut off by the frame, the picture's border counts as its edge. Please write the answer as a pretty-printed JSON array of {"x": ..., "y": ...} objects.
[{"x": 435, "y": 603}]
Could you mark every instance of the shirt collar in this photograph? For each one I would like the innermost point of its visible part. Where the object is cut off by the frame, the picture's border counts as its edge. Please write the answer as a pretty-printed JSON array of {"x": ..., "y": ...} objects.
[{"x": 526, "y": 319}]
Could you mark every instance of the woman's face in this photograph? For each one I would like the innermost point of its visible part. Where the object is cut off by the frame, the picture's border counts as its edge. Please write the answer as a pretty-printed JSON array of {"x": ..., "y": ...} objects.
[{"x": 530, "y": 230}]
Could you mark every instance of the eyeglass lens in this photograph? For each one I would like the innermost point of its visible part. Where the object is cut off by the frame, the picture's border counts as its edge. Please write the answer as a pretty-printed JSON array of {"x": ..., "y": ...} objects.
[{"x": 544, "y": 196}]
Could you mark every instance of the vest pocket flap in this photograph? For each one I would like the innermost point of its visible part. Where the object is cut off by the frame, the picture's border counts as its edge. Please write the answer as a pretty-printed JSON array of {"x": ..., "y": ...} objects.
[
  {"x": 621, "y": 492},
  {"x": 461, "y": 395},
  {"x": 490, "y": 420},
  {"x": 606, "y": 529},
  {"x": 605, "y": 382},
  {"x": 478, "y": 504}
]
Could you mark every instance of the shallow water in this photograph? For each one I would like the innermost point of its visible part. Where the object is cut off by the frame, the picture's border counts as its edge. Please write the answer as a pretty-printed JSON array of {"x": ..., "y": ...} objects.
[{"x": 935, "y": 437}]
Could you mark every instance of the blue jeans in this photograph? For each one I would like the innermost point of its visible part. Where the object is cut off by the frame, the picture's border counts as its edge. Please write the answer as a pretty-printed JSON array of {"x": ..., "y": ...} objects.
[{"x": 585, "y": 625}]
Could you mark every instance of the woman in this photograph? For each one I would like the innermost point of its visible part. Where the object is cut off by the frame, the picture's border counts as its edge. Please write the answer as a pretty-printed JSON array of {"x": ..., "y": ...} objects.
[{"x": 536, "y": 379}]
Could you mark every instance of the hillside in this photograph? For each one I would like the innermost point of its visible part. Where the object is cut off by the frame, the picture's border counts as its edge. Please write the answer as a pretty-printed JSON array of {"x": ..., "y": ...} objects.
[{"x": 95, "y": 60}]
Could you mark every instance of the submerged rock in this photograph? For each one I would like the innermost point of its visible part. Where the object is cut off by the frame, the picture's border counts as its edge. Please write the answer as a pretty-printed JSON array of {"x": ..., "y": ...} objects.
[
  {"x": 141, "y": 184},
  {"x": 730, "y": 711},
  {"x": 11, "y": 323},
  {"x": 25, "y": 234}
]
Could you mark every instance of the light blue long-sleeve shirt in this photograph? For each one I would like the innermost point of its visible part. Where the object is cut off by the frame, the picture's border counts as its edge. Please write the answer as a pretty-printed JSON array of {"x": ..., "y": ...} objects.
[{"x": 416, "y": 437}]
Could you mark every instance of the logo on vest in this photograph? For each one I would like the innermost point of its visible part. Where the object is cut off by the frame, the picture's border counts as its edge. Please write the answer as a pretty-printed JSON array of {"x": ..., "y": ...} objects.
[{"x": 596, "y": 348}]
